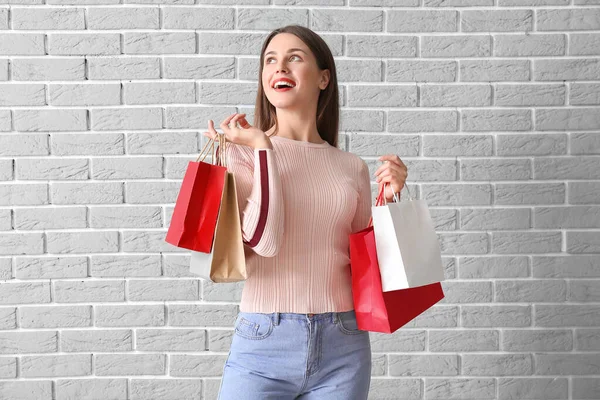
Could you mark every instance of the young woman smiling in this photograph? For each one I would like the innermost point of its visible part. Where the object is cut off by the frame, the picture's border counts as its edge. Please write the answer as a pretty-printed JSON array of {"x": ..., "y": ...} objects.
[{"x": 300, "y": 197}]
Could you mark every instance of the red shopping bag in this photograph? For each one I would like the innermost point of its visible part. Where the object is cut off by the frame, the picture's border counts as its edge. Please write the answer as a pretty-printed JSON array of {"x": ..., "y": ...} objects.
[
  {"x": 195, "y": 215},
  {"x": 376, "y": 310}
]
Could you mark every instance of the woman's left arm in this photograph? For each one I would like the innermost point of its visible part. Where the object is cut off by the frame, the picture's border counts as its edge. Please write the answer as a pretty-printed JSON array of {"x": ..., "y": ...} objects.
[{"x": 394, "y": 172}]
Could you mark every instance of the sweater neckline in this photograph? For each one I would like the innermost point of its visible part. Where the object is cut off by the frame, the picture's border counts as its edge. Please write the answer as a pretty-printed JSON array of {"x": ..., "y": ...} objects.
[{"x": 301, "y": 142}]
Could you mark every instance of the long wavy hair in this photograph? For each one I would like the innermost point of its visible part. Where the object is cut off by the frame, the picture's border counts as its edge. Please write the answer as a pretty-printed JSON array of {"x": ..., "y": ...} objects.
[{"x": 328, "y": 113}]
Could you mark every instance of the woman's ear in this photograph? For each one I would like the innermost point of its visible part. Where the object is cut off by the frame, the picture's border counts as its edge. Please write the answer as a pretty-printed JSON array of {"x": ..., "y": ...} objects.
[{"x": 324, "y": 79}]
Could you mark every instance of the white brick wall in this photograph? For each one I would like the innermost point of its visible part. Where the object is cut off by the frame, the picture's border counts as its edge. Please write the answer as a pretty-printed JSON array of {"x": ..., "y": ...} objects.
[{"x": 494, "y": 105}]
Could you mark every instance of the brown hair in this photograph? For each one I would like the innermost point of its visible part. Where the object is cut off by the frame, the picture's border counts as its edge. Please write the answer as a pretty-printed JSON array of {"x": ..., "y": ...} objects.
[{"x": 328, "y": 113}]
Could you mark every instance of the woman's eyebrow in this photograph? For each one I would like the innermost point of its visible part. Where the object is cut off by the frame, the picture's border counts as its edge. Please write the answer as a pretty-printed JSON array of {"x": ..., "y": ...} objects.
[{"x": 289, "y": 51}]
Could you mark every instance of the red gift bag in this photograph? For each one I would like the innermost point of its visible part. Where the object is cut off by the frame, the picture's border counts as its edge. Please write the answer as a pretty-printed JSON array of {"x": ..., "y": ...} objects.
[
  {"x": 376, "y": 310},
  {"x": 195, "y": 215}
]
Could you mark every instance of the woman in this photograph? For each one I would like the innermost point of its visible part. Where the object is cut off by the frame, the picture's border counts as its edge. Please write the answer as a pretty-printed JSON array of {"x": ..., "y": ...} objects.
[{"x": 300, "y": 197}]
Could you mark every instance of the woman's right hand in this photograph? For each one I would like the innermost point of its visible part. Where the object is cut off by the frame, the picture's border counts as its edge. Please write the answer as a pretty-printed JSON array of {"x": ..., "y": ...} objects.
[{"x": 247, "y": 135}]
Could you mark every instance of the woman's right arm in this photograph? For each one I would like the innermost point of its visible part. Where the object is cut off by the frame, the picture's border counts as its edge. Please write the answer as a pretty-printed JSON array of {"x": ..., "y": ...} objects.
[{"x": 260, "y": 196}]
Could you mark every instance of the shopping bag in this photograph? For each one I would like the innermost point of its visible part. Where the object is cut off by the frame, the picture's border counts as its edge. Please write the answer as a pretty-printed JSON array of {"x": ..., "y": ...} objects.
[
  {"x": 408, "y": 249},
  {"x": 226, "y": 262},
  {"x": 376, "y": 310},
  {"x": 194, "y": 218}
]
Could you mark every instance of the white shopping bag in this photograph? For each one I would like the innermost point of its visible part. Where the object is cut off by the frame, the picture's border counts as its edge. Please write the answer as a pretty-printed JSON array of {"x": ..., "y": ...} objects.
[{"x": 408, "y": 250}]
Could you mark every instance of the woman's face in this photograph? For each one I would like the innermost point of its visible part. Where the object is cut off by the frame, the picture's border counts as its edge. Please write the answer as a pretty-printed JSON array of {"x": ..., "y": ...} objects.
[{"x": 287, "y": 56}]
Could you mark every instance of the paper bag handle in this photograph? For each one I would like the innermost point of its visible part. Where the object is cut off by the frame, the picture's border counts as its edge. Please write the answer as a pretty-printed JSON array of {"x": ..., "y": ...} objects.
[
  {"x": 217, "y": 159},
  {"x": 381, "y": 200}
]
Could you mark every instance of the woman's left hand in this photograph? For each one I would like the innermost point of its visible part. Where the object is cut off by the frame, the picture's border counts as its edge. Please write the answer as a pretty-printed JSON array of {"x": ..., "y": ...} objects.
[{"x": 394, "y": 172}]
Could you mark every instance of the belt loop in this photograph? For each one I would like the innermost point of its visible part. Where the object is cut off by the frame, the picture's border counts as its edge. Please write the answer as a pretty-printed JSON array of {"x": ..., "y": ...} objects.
[{"x": 276, "y": 318}]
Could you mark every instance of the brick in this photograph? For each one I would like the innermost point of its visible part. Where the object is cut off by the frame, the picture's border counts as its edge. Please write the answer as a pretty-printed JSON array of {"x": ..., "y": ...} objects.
[
  {"x": 529, "y": 45},
  {"x": 100, "y": 340},
  {"x": 456, "y": 95},
  {"x": 463, "y": 341},
  {"x": 584, "y": 44},
  {"x": 198, "y": 68},
  {"x": 22, "y": 292},
  {"x": 263, "y": 18},
  {"x": 567, "y": 217},
  {"x": 123, "y": 18},
  {"x": 50, "y": 218},
  {"x": 464, "y": 194},
  {"x": 495, "y": 316},
  {"x": 162, "y": 290},
  {"x": 421, "y": 71},
  {"x": 587, "y": 339},
  {"x": 84, "y": 44},
  {"x": 530, "y": 291},
  {"x": 82, "y": 242},
  {"x": 532, "y": 144},
  {"x": 86, "y": 193},
  {"x": 159, "y": 43},
  {"x": 584, "y": 193},
  {"x": 567, "y": 364},
  {"x": 583, "y": 242},
  {"x": 53, "y": 69},
  {"x": 529, "y": 193},
  {"x": 88, "y": 144},
  {"x": 29, "y": 342},
  {"x": 170, "y": 339},
  {"x": 495, "y": 169},
  {"x": 55, "y": 317},
  {"x": 493, "y": 267},
  {"x": 110, "y": 388},
  {"x": 21, "y": 44},
  {"x": 423, "y": 365},
  {"x": 49, "y": 267},
  {"x": 583, "y": 167},
  {"x": 147, "y": 242},
  {"x": 41, "y": 390},
  {"x": 200, "y": 18},
  {"x": 496, "y": 364},
  {"x": 162, "y": 143},
  {"x": 586, "y": 388},
  {"x": 585, "y": 143},
  {"x": 567, "y": 315},
  {"x": 126, "y": 118},
  {"x": 580, "y": 69},
  {"x": 202, "y": 314},
  {"x": 345, "y": 20},
  {"x": 192, "y": 365},
  {"x": 381, "y": 46},
  {"x": 583, "y": 118},
  {"x": 21, "y": 243},
  {"x": 107, "y": 266},
  {"x": 50, "y": 18},
  {"x": 36, "y": 168},
  {"x": 437, "y": 316},
  {"x": 584, "y": 291},
  {"x": 127, "y": 168},
  {"x": 23, "y": 194},
  {"x": 496, "y": 120},
  {"x": 456, "y": 46},
  {"x": 159, "y": 93},
  {"x": 231, "y": 292},
  {"x": 533, "y": 388},
  {"x": 530, "y": 95},
  {"x": 463, "y": 389},
  {"x": 575, "y": 266},
  {"x": 526, "y": 242},
  {"x": 496, "y": 20},
  {"x": 23, "y": 145},
  {"x": 84, "y": 94},
  {"x": 128, "y": 315},
  {"x": 371, "y": 145},
  {"x": 167, "y": 389},
  {"x": 56, "y": 365},
  {"x": 422, "y": 121},
  {"x": 422, "y": 21},
  {"x": 495, "y": 219},
  {"x": 389, "y": 388},
  {"x": 50, "y": 120},
  {"x": 494, "y": 70},
  {"x": 121, "y": 68},
  {"x": 151, "y": 192},
  {"x": 22, "y": 95},
  {"x": 582, "y": 94},
  {"x": 130, "y": 364},
  {"x": 564, "y": 20}
]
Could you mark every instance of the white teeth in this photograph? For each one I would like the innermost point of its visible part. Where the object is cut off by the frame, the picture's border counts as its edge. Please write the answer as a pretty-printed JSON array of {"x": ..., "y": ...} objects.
[{"x": 282, "y": 83}]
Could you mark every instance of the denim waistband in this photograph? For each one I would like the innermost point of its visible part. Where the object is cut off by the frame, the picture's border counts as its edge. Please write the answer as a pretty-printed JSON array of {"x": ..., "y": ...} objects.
[{"x": 328, "y": 316}]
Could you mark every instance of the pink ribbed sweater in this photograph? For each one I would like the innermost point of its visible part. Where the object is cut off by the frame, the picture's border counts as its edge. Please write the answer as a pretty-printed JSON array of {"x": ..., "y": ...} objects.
[{"x": 298, "y": 203}]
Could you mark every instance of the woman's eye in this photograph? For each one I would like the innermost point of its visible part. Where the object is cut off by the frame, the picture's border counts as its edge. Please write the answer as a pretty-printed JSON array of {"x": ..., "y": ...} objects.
[{"x": 271, "y": 58}]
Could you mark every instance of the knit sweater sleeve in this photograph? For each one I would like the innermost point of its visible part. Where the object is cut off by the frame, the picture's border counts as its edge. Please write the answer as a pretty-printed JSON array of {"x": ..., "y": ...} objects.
[
  {"x": 260, "y": 197},
  {"x": 363, "y": 208}
]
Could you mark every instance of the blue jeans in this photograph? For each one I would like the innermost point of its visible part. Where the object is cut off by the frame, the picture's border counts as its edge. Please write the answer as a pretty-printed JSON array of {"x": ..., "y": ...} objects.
[{"x": 297, "y": 356}]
